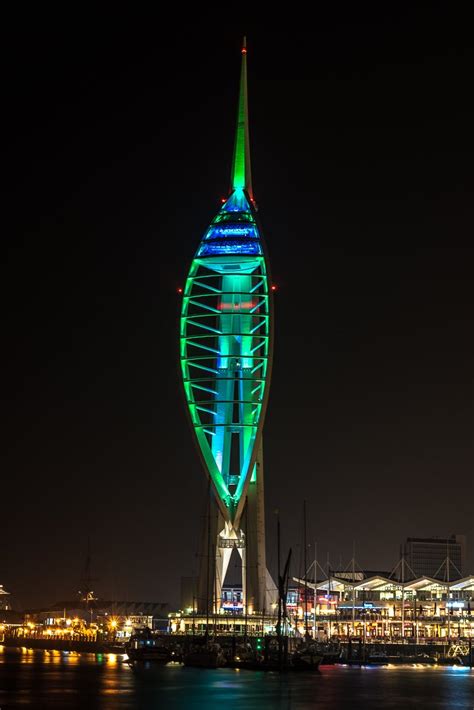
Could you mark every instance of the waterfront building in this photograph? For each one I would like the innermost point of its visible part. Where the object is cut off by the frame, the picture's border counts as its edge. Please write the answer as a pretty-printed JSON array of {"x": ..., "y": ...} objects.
[
  {"x": 4, "y": 598},
  {"x": 96, "y": 609},
  {"x": 226, "y": 334},
  {"x": 382, "y": 607},
  {"x": 86, "y": 621},
  {"x": 442, "y": 558},
  {"x": 375, "y": 608}
]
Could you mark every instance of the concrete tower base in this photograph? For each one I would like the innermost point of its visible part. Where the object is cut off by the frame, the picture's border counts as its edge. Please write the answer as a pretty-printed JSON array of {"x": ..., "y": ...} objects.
[{"x": 221, "y": 538}]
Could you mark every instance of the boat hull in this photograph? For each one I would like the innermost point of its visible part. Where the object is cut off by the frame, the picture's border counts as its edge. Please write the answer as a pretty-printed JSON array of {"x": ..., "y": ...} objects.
[
  {"x": 156, "y": 655},
  {"x": 204, "y": 659}
]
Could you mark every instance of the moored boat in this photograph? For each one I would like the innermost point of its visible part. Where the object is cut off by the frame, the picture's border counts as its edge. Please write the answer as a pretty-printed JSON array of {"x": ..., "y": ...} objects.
[
  {"x": 207, "y": 655},
  {"x": 276, "y": 657},
  {"x": 145, "y": 646},
  {"x": 305, "y": 660}
]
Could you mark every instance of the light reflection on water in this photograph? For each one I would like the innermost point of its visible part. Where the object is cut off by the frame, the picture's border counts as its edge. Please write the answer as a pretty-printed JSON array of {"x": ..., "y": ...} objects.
[{"x": 66, "y": 680}]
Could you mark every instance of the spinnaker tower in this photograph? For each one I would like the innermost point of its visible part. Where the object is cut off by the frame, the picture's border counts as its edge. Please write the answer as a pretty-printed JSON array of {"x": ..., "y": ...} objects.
[{"x": 226, "y": 341}]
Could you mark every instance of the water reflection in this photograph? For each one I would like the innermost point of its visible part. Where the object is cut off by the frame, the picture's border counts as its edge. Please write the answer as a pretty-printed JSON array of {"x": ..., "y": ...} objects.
[{"x": 58, "y": 679}]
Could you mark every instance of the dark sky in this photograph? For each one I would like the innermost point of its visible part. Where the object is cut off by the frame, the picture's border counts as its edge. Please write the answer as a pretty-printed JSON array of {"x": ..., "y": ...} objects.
[{"x": 117, "y": 152}]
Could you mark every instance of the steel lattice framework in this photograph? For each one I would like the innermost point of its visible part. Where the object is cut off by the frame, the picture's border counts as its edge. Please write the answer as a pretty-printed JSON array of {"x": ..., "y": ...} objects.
[{"x": 225, "y": 348}]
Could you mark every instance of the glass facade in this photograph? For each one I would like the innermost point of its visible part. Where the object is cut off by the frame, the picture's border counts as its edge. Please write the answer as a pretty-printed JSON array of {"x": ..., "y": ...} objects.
[{"x": 442, "y": 558}]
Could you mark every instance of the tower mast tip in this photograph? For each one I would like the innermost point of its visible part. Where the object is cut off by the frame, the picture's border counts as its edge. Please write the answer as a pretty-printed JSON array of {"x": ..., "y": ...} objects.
[{"x": 241, "y": 173}]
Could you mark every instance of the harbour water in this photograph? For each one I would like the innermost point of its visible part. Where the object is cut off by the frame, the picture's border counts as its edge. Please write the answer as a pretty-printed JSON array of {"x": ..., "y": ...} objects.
[{"x": 60, "y": 680}]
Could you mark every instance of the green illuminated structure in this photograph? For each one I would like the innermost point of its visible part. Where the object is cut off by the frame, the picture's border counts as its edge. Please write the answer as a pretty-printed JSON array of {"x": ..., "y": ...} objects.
[{"x": 226, "y": 354}]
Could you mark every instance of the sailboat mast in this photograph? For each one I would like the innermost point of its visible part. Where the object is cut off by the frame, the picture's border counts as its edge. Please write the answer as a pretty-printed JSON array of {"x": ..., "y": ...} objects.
[
  {"x": 403, "y": 594},
  {"x": 279, "y": 577},
  {"x": 246, "y": 570},
  {"x": 214, "y": 554},
  {"x": 208, "y": 585},
  {"x": 305, "y": 574},
  {"x": 315, "y": 583},
  {"x": 448, "y": 611},
  {"x": 353, "y": 586},
  {"x": 329, "y": 592}
]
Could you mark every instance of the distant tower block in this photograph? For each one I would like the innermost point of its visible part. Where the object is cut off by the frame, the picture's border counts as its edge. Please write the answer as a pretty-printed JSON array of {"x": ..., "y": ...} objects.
[{"x": 226, "y": 335}]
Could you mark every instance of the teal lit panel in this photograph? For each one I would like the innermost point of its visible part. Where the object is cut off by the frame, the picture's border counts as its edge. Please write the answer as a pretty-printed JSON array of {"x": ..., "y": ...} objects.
[
  {"x": 225, "y": 350},
  {"x": 226, "y": 334}
]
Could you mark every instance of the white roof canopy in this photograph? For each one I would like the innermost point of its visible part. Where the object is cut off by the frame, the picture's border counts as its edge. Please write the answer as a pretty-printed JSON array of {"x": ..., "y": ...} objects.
[
  {"x": 377, "y": 582},
  {"x": 464, "y": 585}
]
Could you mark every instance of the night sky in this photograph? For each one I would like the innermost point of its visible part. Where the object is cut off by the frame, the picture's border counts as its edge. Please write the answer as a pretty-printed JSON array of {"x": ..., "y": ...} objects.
[{"x": 117, "y": 151}]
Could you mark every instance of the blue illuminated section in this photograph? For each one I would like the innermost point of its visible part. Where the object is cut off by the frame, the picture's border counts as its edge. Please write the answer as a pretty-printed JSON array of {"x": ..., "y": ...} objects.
[
  {"x": 237, "y": 202},
  {"x": 233, "y": 230},
  {"x": 229, "y": 247}
]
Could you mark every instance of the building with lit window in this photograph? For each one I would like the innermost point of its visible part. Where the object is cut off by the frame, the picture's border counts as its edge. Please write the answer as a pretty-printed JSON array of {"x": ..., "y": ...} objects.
[
  {"x": 4, "y": 598},
  {"x": 441, "y": 558},
  {"x": 382, "y": 607},
  {"x": 375, "y": 607}
]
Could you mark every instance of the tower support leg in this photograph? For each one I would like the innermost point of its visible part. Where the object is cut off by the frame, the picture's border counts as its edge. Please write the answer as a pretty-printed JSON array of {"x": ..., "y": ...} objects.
[
  {"x": 254, "y": 526},
  {"x": 257, "y": 586}
]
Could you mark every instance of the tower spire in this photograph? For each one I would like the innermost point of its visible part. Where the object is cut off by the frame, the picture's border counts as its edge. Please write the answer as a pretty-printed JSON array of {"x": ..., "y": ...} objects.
[{"x": 241, "y": 174}]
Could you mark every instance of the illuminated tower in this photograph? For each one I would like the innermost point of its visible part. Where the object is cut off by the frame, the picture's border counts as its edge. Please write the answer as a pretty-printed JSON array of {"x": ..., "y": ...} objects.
[{"x": 226, "y": 356}]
